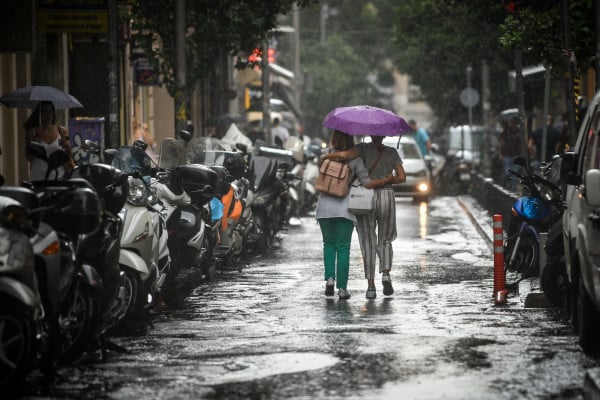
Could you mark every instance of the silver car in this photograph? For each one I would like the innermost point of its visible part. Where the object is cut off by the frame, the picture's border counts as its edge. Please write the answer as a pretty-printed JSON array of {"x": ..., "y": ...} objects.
[{"x": 418, "y": 178}]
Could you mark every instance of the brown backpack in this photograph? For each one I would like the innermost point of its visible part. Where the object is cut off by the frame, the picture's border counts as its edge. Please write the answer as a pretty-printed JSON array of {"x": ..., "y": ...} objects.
[{"x": 334, "y": 178}]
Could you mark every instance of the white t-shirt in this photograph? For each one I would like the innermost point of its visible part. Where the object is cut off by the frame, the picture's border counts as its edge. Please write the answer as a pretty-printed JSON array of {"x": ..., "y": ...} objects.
[
  {"x": 280, "y": 132},
  {"x": 39, "y": 166}
]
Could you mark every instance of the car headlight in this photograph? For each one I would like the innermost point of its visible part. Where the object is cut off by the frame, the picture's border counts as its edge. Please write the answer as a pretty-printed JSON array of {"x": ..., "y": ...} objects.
[
  {"x": 137, "y": 194},
  {"x": 422, "y": 187}
]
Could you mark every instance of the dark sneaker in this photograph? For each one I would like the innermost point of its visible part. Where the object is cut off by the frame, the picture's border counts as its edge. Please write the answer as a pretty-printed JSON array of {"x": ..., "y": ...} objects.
[
  {"x": 329, "y": 286},
  {"x": 387, "y": 285},
  {"x": 371, "y": 293},
  {"x": 343, "y": 294}
]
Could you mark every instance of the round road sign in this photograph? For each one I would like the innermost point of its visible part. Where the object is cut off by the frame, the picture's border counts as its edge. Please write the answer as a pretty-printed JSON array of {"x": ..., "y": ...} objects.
[{"x": 469, "y": 97}]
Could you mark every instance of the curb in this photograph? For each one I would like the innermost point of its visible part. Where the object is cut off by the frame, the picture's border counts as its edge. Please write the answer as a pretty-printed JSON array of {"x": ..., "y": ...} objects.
[
  {"x": 591, "y": 384},
  {"x": 485, "y": 235}
]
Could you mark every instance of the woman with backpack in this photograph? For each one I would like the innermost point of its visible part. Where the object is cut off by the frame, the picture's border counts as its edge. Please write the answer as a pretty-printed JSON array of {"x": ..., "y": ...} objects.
[{"x": 337, "y": 223}]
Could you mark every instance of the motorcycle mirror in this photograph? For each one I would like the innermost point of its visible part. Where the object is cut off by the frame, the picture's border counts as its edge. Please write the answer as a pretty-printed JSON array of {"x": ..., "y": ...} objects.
[
  {"x": 185, "y": 135},
  {"x": 110, "y": 154},
  {"x": 90, "y": 146},
  {"x": 140, "y": 144},
  {"x": 241, "y": 147}
]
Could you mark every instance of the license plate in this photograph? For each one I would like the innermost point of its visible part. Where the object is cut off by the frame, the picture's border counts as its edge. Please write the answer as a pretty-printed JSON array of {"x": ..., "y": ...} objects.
[{"x": 465, "y": 177}]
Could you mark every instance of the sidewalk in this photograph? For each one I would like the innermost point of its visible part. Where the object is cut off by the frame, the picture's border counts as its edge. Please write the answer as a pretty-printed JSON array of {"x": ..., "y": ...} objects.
[{"x": 528, "y": 291}]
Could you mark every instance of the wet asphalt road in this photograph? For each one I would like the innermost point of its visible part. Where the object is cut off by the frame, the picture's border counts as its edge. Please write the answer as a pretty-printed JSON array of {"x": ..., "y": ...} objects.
[{"x": 268, "y": 332}]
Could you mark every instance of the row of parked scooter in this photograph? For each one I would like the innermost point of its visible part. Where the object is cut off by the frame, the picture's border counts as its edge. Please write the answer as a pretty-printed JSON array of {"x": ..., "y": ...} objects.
[{"x": 91, "y": 254}]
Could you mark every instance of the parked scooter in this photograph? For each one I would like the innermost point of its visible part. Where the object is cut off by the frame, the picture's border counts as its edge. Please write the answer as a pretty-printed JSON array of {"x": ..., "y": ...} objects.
[
  {"x": 236, "y": 224},
  {"x": 141, "y": 256},
  {"x": 532, "y": 213},
  {"x": 21, "y": 310},
  {"x": 268, "y": 175},
  {"x": 184, "y": 192},
  {"x": 80, "y": 283},
  {"x": 553, "y": 273}
]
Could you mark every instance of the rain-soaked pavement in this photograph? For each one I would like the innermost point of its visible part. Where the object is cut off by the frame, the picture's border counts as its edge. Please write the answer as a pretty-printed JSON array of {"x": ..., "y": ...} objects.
[{"x": 268, "y": 332}]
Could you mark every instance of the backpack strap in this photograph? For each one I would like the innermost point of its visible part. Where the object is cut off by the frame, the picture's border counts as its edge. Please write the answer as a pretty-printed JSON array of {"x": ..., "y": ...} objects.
[{"x": 376, "y": 162}]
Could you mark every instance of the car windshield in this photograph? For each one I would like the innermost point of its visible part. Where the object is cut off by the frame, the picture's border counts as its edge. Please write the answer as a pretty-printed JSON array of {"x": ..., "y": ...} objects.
[{"x": 409, "y": 151}]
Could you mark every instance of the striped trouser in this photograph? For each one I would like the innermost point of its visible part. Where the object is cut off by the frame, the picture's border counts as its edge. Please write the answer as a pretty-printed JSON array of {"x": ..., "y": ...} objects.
[{"x": 376, "y": 231}]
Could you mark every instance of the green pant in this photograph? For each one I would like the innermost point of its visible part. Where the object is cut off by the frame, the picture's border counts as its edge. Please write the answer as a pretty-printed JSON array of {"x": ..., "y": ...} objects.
[{"x": 337, "y": 235}]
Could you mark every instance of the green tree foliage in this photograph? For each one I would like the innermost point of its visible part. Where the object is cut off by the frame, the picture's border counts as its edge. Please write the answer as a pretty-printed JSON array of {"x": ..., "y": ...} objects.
[
  {"x": 435, "y": 42},
  {"x": 213, "y": 29},
  {"x": 537, "y": 29},
  {"x": 356, "y": 41},
  {"x": 338, "y": 78}
]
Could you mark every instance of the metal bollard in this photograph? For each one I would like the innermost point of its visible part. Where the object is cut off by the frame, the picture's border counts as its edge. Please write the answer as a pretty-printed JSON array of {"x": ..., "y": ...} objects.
[{"x": 500, "y": 291}]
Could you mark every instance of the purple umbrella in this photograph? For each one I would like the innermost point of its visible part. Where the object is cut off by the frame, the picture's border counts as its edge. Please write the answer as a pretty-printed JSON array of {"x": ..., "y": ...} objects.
[{"x": 366, "y": 120}]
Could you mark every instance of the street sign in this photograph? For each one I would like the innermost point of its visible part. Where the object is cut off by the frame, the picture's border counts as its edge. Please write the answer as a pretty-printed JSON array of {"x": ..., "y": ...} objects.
[{"x": 469, "y": 97}]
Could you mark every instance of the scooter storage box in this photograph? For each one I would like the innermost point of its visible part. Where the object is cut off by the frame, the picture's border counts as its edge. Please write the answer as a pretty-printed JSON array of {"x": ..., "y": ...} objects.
[
  {"x": 105, "y": 179},
  {"x": 199, "y": 181},
  {"x": 28, "y": 199},
  {"x": 74, "y": 211},
  {"x": 223, "y": 180},
  {"x": 235, "y": 164},
  {"x": 232, "y": 160}
]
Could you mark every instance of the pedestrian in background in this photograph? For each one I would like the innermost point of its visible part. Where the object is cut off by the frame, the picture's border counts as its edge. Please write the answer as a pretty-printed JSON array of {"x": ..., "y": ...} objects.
[
  {"x": 377, "y": 230},
  {"x": 337, "y": 223},
  {"x": 534, "y": 143},
  {"x": 279, "y": 133},
  {"x": 509, "y": 147},
  {"x": 421, "y": 137},
  {"x": 41, "y": 127}
]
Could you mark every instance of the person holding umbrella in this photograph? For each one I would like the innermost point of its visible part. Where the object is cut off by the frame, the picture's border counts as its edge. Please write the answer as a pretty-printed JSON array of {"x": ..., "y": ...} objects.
[
  {"x": 41, "y": 127},
  {"x": 337, "y": 223},
  {"x": 377, "y": 230}
]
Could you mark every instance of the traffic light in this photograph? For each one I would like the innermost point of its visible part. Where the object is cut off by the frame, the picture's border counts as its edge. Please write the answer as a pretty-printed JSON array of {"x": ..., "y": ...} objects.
[{"x": 271, "y": 55}]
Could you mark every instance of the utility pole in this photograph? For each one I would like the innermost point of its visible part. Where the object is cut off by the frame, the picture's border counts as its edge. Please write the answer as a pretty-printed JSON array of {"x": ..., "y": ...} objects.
[
  {"x": 297, "y": 73},
  {"x": 266, "y": 90},
  {"x": 113, "y": 77},
  {"x": 521, "y": 101},
  {"x": 569, "y": 61},
  {"x": 323, "y": 20},
  {"x": 485, "y": 104},
  {"x": 181, "y": 112}
]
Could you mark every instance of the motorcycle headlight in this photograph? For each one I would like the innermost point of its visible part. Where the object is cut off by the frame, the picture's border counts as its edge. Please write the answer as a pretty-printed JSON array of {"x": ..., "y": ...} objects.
[
  {"x": 16, "y": 251},
  {"x": 137, "y": 194},
  {"x": 4, "y": 241}
]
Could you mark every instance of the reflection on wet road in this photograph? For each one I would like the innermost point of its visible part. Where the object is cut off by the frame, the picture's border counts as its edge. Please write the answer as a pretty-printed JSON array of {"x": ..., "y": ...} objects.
[{"x": 268, "y": 332}]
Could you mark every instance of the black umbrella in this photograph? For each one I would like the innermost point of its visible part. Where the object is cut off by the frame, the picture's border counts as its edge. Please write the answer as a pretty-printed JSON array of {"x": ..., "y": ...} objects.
[{"x": 30, "y": 96}]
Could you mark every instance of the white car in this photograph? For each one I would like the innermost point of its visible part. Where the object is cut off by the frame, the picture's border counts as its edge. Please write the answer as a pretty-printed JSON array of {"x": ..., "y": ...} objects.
[
  {"x": 418, "y": 178},
  {"x": 581, "y": 228}
]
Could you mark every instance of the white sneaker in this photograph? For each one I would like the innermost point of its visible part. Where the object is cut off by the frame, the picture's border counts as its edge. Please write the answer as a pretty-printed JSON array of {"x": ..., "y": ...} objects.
[
  {"x": 329, "y": 287},
  {"x": 343, "y": 294}
]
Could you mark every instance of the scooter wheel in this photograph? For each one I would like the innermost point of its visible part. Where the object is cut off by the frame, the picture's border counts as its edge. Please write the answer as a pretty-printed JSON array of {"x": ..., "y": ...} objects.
[{"x": 16, "y": 342}]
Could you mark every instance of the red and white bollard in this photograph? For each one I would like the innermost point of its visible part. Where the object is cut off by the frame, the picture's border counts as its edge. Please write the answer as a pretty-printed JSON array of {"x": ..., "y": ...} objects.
[{"x": 500, "y": 291}]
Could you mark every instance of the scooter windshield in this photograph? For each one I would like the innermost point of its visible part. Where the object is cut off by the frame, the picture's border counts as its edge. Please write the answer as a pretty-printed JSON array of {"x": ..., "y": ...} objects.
[
  {"x": 131, "y": 160},
  {"x": 205, "y": 150},
  {"x": 172, "y": 154}
]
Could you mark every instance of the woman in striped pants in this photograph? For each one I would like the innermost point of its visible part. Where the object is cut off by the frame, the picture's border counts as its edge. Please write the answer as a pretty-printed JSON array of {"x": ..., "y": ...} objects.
[{"x": 377, "y": 230}]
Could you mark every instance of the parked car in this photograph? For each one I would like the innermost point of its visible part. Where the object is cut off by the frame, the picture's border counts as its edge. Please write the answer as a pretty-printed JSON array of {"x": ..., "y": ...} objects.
[
  {"x": 581, "y": 221},
  {"x": 418, "y": 177}
]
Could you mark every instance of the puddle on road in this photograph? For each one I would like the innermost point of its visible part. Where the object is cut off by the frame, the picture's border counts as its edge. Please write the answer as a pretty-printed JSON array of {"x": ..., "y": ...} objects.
[{"x": 248, "y": 368}]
